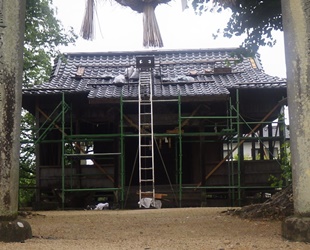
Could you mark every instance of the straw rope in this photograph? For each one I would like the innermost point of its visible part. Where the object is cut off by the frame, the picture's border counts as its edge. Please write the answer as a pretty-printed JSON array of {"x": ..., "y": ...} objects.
[
  {"x": 88, "y": 29},
  {"x": 151, "y": 32}
]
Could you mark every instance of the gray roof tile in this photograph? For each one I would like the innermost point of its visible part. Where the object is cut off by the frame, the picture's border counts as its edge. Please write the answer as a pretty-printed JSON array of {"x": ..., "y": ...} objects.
[{"x": 101, "y": 68}]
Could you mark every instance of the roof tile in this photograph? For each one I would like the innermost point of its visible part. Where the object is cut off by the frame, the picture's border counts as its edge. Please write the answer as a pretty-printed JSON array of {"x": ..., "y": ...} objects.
[{"x": 102, "y": 68}]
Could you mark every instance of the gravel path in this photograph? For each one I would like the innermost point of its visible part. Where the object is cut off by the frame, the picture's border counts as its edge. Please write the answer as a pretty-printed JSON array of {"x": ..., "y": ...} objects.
[{"x": 186, "y": 228}]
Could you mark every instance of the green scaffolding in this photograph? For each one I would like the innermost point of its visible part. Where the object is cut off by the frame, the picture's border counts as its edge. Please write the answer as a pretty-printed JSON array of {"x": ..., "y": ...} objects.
[{"x": 233, "y": 123}]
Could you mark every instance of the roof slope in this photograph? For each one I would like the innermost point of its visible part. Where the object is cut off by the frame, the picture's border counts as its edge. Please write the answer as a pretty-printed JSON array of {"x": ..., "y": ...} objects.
[{"x": 195, "y": 72}]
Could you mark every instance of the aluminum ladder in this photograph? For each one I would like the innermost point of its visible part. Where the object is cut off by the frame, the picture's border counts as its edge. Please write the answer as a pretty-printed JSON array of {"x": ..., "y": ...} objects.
[{"x": 146, "y": 138}]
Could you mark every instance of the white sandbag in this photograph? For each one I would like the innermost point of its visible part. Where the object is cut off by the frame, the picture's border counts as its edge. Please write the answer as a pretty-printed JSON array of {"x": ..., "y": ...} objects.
[
  {"x": 119, "y": 79},
  {"x": 101, "y": 206},
  {"x": 185, "y": 79},
  {"x": 145, "y": 202},
  {"x": 129, "y": 71},
  {"x": 148, "y": 202},
  {"x": 135, "y": 74}
]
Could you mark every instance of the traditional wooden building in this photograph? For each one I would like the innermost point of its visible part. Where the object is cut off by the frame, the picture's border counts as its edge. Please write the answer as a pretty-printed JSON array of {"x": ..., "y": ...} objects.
[{"x": 120, "y": 126}]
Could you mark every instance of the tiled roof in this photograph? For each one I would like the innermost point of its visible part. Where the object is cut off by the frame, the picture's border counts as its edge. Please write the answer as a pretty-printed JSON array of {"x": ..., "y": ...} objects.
[{"x": 199, "y": 72}]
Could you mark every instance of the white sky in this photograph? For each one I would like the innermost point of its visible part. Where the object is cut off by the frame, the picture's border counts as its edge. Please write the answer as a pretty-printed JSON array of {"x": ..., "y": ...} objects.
[{"x": 120, "y": 29}]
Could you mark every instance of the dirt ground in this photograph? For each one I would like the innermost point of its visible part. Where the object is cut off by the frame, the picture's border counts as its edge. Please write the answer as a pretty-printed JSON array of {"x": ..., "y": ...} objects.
[{"x": 186, "y": 228}]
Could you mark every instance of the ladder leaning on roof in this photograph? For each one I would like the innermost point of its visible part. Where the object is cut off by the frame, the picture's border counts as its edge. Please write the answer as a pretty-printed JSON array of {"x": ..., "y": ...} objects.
[{"x": 146, "y": 138}]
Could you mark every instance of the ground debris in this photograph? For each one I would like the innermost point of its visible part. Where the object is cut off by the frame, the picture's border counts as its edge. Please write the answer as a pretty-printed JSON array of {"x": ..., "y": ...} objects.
[
  {"x": 28, "y": 214},
  {"x": 278, "y": 207}
]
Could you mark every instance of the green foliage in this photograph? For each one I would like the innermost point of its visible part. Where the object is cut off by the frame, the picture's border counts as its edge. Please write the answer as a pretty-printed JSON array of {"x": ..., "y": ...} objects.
[
  {"x": 43, "y": 33},
  {"x": 245, "y": 157},
  {"x": 27, "y": 160},
  {"x": 286, "y": 175},
  {"x": 255, "y": 19}
]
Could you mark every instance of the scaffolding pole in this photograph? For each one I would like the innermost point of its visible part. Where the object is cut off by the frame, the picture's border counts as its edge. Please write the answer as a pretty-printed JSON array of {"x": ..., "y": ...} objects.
[
  {"x": 63, "y": 152},
  {"x": 180, "y": 151},
  {"x": 239, "y": 150},
  {"x": 122, "y": 151}
]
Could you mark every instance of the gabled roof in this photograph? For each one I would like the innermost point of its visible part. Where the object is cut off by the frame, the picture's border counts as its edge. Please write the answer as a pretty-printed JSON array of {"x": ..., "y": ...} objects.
[{"x": 194, "y": 72}]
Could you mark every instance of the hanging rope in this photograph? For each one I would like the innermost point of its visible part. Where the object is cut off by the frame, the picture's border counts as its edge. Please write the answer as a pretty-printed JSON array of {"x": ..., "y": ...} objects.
[
  {"x": 151, "y": 32},
  {"x": 88, "y": 26}
]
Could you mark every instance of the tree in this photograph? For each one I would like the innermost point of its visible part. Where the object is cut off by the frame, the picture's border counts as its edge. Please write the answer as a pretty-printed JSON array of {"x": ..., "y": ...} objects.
[
  {"x": 27, "y": 160},
  {"x": 43, "y": 34},
  {"x": 256, "y": 19}
]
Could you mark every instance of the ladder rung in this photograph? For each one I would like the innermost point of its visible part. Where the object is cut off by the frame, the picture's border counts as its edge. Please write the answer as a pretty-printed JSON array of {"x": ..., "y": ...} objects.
[
  {"x": 146, "y": 146},
  {"x": 146, "y": 168},
  {"x": 146, "y": 156},
  {"x": 147, "y": 180}
]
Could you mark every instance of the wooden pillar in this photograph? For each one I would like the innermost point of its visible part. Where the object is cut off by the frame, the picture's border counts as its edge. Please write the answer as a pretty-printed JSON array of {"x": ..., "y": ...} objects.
[
  {"x": 38, "y": 156},
  {"x": 253, "y": 147},
  {"x": 261, "y": 144},
  {"x": 270, "y": 142}
]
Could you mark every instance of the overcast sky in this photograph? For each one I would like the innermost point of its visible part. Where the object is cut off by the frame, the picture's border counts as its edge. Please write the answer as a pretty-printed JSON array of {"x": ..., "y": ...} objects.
[{"x": 120, "y": 29}]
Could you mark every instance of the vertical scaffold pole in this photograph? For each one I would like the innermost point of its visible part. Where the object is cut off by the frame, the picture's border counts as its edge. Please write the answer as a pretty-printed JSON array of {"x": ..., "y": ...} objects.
[
  {"x": 230, "y": 147},
  {"x": 239, "y": 151},
  {"x": 180, "y": 152},
  {"x": 63, "y": 150},
  {"x": 122, "y": 152}
]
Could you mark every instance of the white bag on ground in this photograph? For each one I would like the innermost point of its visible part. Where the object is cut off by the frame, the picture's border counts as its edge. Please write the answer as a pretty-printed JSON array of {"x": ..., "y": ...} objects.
[
  {"x": 101, "y": 206},
  {"x": 148, "y": 202}
]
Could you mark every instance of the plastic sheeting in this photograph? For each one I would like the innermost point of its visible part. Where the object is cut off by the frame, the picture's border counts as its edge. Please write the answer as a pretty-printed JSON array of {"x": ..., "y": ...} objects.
[{"x": 148, "y": 202}]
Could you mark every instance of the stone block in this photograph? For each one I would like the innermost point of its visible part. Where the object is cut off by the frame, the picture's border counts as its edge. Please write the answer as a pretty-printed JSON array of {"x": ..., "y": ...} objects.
[
  {"x": 296, "y": 228},
  {"x": 15, "y": 231}
]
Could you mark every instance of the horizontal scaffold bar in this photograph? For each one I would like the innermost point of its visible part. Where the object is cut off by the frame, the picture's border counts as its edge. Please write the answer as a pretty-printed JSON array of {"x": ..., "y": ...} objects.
[
  {"x": 90, "y": 155},
  {"x": 228, "y": 187},
  {"x": 240, "y": 122},
  {"x": 207, "y": 117},
  {"x": 154, "y": 101},
  {"x": 91, "y": 136},
  {"x": 186, "y": 134},
  {"x": 91, "y": 189},
  {"x": 276, "y": 138}
]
